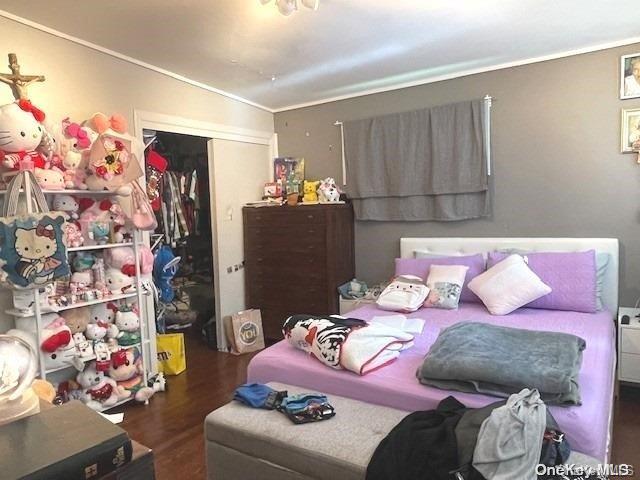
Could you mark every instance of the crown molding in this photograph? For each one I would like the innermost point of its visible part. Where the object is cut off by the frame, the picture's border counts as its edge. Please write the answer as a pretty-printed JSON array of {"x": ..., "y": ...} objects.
[
  {"x": 126, "y": 58},
  {"x": 464, "y": 73}
]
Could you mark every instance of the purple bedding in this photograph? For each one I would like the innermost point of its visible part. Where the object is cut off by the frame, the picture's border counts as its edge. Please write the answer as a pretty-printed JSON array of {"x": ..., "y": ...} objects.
[{"x": 396, "y": 385}]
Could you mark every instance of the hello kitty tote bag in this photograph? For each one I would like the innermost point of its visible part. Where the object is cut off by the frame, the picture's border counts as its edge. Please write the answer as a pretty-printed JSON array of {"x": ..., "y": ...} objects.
[{"x": 32, "y": 249}]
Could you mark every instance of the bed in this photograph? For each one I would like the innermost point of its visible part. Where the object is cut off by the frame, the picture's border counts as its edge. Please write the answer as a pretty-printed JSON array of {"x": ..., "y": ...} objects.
[{"x": 587, "y": 426}]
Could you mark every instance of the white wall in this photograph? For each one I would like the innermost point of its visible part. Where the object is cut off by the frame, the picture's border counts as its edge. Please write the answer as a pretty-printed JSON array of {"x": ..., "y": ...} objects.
[{"x": 81, "y": 81}]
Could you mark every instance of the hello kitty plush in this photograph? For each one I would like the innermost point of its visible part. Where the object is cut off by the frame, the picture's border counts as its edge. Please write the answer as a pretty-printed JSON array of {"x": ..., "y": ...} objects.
[
  {"x": 66, "y": 203},
  {"x": 99, "y": 391},
  {"x": 126, "y": 369},
  {"x": 21, "y": 132},
  {"x": 57, "y": 344},
  {"x": 78, "y": 143},
  {"x": 72, "y": 234},
  {"x": 96, "y": 332},
  {"x": 49, "y": 179},
  {"x": 103, "y": 312},
  {"x": 128, "y": 324},
  {"x": 36, "y": 248},
  {"x": 118, "y": 282}
]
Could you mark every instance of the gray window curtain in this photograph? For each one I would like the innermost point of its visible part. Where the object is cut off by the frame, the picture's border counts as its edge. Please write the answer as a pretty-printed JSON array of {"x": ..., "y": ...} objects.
[{"x": 423, "y": 165}]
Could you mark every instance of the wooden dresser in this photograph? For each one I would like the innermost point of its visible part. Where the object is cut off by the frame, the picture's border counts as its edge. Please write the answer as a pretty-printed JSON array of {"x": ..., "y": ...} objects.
[{"x": 295, "y": 259}]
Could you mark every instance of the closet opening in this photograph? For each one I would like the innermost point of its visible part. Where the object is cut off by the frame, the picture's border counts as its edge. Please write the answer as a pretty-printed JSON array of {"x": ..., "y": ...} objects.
[{"x": 177, "y": 168}]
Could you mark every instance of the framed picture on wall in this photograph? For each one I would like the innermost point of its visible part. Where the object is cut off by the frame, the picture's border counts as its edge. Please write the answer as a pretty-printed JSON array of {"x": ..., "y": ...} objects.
[
  {"x": 630, "y": 76},
  {"x": 630, "y": 137}
]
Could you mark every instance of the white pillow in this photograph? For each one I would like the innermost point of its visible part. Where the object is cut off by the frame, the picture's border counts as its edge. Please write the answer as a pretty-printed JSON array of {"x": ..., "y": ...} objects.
[
  {"x": 508, "y": 285},
  {"x": 445, "y": 285}
]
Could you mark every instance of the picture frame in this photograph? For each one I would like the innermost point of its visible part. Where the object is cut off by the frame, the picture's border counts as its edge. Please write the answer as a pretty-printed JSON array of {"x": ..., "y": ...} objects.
[
  {"x": 630, "y": 130},
  {"x": 288, "y": 170},
  {"x": 630, "y": 81}
]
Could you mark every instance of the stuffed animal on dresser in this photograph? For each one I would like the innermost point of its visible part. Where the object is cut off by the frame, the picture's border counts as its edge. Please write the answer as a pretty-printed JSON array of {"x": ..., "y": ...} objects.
[
  {"x": 310, "y": 191},
  {"x": 328, "y": 191}
]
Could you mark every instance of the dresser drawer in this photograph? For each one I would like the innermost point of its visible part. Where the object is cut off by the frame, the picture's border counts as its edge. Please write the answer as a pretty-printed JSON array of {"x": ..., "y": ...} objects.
[
  {"x": 296, "y": 297},
  {"x": 630, "y": 340},
  {"x": 268, "y": 248},
  {"x": 629, "y": 367},
  {"x": 283, "y": 216}
]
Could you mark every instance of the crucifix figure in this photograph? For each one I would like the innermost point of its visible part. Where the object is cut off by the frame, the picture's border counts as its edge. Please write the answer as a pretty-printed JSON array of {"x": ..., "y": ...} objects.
[{"x": 16, "y": 81}]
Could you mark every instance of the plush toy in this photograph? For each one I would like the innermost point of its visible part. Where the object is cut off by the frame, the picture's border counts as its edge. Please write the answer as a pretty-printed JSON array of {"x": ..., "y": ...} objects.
[
  {"x": 57, "y": 344},
  {"x": 21, "y": 134},
  {"x": 96, "y": 332},
  {"x": 126, "y": 370},
  {"x": 49, "y": 179},
  {"x": 103, "y": 312},
  {"x": 99, "y": 391},
  {"x": 123, "y": 258},
  {"x": 128, "y": 324},
  {"x": 328, "y": 190},
  {"x": 77, "y": 319},
  {"x": 66, "y": 203},
  {"x": 310, "y": 190},
  {"x": 72, "y": 234},
  {"x": 44, "y": 390},
  {"x": 159, "y": 383},
  {"x": 83, "y": 274},
  {"x": 78, "y": 143},
  {"x": 118, "y": 282},
  {"x": 98, "y": 218}
]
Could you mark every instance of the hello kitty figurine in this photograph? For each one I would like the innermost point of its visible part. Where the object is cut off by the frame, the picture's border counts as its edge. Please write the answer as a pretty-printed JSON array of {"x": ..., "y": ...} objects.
[
  {"x": 21, "y": 132},
  {"x": 36, "y": 248},
  {"x": 66, "y": 203}
]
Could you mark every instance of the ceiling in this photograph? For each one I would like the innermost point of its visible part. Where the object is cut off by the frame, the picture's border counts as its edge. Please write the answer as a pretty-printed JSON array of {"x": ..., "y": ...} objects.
[{"x": 346, "y": 48}]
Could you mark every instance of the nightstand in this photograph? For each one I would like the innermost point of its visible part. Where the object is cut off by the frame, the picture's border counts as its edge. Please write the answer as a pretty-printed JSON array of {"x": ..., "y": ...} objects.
[{"x": 629, "y": 345}]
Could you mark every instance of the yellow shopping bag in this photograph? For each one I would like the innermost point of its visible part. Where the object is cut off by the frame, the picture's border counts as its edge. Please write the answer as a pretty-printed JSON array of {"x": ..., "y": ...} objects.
[{"x": 172, "y": 358}]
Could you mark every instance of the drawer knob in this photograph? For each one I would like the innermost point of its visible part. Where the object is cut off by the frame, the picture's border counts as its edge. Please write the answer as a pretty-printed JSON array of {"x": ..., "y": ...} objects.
[{"x": 310, "y": 216}]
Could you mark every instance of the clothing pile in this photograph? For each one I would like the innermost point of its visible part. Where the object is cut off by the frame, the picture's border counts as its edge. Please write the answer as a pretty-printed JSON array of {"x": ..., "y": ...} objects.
[
  {"x": 346, "y": 343},
  {"x": 301, "y": 408},
  {"x": 180, "y": 211},
  {"x": 506, "y": 440}
]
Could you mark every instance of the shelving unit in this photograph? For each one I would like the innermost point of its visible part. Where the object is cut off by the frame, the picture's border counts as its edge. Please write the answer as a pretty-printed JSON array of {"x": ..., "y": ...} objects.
[{"x": 147, "y": 326}]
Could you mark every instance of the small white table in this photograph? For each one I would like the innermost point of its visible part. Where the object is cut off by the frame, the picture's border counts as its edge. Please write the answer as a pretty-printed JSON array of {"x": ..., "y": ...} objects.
[{"x": 629, "y": 345}]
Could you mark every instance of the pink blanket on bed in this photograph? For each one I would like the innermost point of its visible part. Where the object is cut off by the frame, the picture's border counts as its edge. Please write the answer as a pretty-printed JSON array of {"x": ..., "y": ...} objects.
[{"x": 396, "y": 385}]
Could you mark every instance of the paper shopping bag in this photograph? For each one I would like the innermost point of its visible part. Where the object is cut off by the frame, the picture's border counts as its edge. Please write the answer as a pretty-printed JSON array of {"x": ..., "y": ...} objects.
[
  {"x": 244, "y": 331},
  {"x": 172, "y": 358}
]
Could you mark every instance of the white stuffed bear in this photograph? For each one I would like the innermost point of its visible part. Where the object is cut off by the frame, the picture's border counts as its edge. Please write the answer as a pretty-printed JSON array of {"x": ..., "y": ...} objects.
[
  {"x": 118, "y": 282},
  {"x": 99, "y": 391},
  {"x": 20, "y": 135}
]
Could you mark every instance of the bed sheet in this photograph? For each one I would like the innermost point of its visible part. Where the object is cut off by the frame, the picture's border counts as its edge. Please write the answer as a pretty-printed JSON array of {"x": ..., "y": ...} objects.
[{"x": 396, "y": 385}]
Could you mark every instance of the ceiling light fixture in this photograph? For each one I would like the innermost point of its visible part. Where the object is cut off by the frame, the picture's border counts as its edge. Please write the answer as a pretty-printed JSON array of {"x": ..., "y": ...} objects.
[{"x": 287, "y": 7}]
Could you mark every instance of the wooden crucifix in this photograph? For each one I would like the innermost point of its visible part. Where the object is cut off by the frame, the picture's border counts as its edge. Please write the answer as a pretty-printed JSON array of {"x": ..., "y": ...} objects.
[{"x": 16, "y": 81}]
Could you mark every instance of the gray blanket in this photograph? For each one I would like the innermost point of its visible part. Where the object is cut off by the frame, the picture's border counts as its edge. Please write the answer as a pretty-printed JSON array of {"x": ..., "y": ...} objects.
[{"x": 481, "y": 358}]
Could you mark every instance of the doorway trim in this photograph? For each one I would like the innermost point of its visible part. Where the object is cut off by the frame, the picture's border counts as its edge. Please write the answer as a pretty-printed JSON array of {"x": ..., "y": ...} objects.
[{"x": 144, "y": 120}]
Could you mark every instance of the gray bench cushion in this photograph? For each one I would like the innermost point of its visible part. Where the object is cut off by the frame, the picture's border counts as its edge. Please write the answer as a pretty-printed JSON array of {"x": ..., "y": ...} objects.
[
  {"x": 337, "y": 448},
  {"x": 244, "y": 442}
]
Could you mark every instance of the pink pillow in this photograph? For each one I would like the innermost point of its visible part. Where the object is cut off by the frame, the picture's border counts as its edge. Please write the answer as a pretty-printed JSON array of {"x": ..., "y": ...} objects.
[
  {"x": 420, "y": 268},
  {"x": 572, "y": 277}
]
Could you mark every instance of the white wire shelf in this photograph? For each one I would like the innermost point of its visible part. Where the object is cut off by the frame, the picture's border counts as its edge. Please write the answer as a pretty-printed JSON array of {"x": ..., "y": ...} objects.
[
  {"x": 21, "y": 314},
  {"x": 71, "y": 191},
  {"x": 99, "y": 247},
  {"x": 121, "y": 402}
]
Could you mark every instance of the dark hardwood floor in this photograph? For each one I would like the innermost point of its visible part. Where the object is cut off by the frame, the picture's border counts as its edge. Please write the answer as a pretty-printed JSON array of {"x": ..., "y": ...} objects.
[{"x": 172, "y": 425}]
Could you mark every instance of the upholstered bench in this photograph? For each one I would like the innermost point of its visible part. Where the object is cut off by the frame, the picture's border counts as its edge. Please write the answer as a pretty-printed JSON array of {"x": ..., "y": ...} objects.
[{"x": 244, "y": 443}]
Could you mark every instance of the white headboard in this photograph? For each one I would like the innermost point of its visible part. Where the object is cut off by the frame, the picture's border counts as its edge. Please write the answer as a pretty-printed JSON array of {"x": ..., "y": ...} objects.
[{"x": 472, "y": 245}]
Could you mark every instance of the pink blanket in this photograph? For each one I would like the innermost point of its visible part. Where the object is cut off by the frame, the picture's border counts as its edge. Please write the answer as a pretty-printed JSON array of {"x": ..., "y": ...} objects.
[{"x": 396, "y": 385}]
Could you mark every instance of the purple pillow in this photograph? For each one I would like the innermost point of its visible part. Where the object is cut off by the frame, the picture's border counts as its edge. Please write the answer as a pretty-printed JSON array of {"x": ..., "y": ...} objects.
[
  {"x": 420, "y": 268},
  {"x": 571, "y": 276}
]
